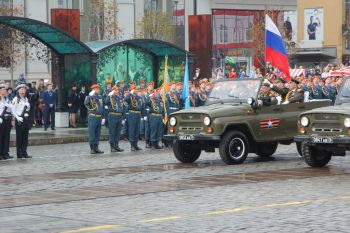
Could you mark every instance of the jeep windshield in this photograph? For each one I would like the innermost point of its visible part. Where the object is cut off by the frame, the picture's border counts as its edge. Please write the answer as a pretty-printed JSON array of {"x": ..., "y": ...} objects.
[
  {"x": 237, "y": 91},
  {"x": 344, "y": 93}
]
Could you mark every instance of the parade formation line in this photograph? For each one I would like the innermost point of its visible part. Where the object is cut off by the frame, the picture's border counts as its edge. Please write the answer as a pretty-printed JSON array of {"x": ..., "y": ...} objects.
[{"x": 117, "y": 190}]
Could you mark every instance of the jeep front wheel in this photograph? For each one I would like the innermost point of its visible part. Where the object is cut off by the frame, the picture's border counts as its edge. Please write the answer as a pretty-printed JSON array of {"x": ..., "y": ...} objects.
[
  {"x": 315, "y": 157},
  {"x": 186, "y": 153},
  {"x": 266, "y": 149},
  {"x": 233, "y": 147}
]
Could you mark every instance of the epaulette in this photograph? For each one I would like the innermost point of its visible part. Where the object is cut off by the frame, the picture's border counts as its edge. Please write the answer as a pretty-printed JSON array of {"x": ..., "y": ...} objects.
[{"x": 300, "y": 90}]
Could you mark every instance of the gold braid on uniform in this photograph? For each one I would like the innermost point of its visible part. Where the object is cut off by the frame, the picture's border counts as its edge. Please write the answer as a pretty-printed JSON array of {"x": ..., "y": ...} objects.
[
  {"x": 134, "y": 102},
  {"x": 289, "y": 93},
  {"x": 93, "y": 104},
  {"x": 114, "y": 105},
  {"x": 154, "y": 106},
  {"x": 324, "y": 90}
]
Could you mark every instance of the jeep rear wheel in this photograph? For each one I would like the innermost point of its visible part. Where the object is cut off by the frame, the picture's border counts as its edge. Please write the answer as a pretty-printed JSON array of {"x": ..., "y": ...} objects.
[
  {"x": 233, "y": 147},
  {"x": 186, "y": 153},
  {"x": 315, "y": 157},
  {"x": 266, "y": 149}
]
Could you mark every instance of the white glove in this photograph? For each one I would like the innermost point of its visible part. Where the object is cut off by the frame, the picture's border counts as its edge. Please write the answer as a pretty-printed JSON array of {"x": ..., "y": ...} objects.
[
  {"x": 7, "y": 105},
  {"x": 106, "y": 107},
  {"x": 145, "y": 118},
  {"x": 285, "y": 102},
  {"x": 27, "y": 105},
  {"x": 260, "y": 103},
  {"x": 0, "y": 121},
  {"x": 267, "y": 82},
  {"x": 51, "y": 105},
  {"x": 103, "y": 121},
  {"x": 69, "y": 105},
  {"x": 19, "y": 119},
  {"x": 111, "y": 93},
  {"x": 92, "y": 93},
  {"x": 132, "y": 91},
  {"x": 279, "y": 99},
  {"x": 123, "y": 122}
]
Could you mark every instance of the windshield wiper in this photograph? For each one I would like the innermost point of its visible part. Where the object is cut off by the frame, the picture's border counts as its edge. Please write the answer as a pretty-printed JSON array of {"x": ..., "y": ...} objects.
[
  {"x": 233, "y": 96},
  {"x": 346, "y": 96},
  {"x": 214, "y": 97}
]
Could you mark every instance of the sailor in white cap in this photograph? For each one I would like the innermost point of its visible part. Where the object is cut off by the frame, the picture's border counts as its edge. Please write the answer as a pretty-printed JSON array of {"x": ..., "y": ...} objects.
[
  {"x": 20, "y": 110},
  {"x": 5, "y": 124}
]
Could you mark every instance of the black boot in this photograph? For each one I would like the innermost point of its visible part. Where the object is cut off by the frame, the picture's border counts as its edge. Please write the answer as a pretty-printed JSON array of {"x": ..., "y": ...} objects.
[
  {"x": 97, "y": 150},
  {"x": 148, "y": 144},
  {"x": 92, "y": 149},
  {"x": 136, "y": 146},
  {"x": 133, "y": 148},
  {"x": 156, "y": 145},
  {"x": 113, "y": 149},
  {"x": 117, "y": 148}
]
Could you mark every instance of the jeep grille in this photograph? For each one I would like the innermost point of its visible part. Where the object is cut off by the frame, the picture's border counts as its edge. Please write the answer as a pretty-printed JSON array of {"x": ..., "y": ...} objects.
[{"x": 327, "y": 117}]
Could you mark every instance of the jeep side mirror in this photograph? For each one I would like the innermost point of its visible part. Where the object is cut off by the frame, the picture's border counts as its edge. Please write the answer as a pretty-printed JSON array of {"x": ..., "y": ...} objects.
[{"x": 251, "y": 101}]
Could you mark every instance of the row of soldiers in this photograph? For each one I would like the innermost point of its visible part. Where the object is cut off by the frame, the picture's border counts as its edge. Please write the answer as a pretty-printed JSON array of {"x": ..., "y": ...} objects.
[
  {"x": 298, "y": 90},
  {"x": 136, "y": 111}
]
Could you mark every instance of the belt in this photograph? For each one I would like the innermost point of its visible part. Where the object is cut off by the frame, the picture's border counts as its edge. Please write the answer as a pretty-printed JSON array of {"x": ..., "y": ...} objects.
[
  {"x": 95, "y": 115},
  {"x": 156, "y": 114},
  {"x": 133, "y": 111},
  {"x": 116, "y": 113}
]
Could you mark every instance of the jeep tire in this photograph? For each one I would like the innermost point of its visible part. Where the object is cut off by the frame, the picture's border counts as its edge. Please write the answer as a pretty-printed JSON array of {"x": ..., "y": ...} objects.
[
  {"x": 233, "y": 147},
  {"x": 186, "y": 153},
  {"x": 266, "y": 149},
  {"x": 315, "y": 157}
]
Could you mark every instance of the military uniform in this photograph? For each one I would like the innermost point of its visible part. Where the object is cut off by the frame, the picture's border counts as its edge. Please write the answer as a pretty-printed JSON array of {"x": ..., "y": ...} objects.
[
  {"x": 268, "y": 99},
  {"x": 330, "y": 92},
  {"x": 94, "y": 104},
  {"x": 156, "y": 115},
  {"x": 295, "y": 96},
  {"x": 135, "y": 110},
  {"x": 193, "y": 99},
  {"x": 282, "y": 92},
  {"x": 21, "y": 110},
  {"x": 173, "y": 102},
  {"x": 49, "y": 98},
  {"x": 316, "y": 92},
  {"x": 5, "y": 126},
  {"x": 115, "y": 105},
  {"x": 202, "y": 97}
]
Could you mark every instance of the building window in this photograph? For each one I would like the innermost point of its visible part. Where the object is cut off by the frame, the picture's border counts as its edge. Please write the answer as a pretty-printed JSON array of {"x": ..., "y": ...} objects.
[
  {"x": 60, "y": 4},
  {"x": 6, "y": 3},
  {"x": 81, "y": 7}
]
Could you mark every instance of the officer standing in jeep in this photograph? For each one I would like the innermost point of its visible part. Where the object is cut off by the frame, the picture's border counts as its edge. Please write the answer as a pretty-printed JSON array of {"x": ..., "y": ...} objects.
[
  {"x": 296, "y": 94},
  {"x": 278, "y": 87}
]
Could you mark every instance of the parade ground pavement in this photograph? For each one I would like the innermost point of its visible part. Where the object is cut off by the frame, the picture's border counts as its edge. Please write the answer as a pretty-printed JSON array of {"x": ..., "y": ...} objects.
[{"x": 65, "y": 189}]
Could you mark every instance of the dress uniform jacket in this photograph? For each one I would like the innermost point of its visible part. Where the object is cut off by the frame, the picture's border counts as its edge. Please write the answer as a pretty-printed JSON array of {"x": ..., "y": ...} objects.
[
  {"x": 94, "y": 105},
  {"x": 156, "y": 107},
  {"x": 136, "y": 111},
  {"x": 116, "y": 111},
  {"x": 5, "y": 127},
  {"x": 295, "y": 96}
]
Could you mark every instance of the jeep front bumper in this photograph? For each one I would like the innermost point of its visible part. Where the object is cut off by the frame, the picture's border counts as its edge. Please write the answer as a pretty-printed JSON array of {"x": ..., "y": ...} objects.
[
  {"x": 311, "y": 139},
  {"x": 196, "y": 137}
]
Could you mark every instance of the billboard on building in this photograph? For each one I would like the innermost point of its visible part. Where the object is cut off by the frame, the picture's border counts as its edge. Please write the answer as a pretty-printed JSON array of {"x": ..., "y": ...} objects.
[
  {"x": 290, "y": 25},
  {"x": 313, "y": 24}
]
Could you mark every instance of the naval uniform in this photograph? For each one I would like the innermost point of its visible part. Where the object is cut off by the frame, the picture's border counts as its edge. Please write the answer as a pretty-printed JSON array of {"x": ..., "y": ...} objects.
[
  {"x": 21, "y": 110},
  {"x": 5, "y": 128},
  {"x": 115, "y": 106},
  {"x": 94, "y": 105},
  {"x": 49, "y": 98}
]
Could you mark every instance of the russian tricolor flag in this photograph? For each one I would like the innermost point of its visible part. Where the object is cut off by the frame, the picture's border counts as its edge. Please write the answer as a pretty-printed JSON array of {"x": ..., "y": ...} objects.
[{"x": 275, "y": 52}]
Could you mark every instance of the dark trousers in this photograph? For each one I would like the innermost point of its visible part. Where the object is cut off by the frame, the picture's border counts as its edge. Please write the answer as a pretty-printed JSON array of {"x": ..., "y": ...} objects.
[
  {"x": 22, "y": 132},
  {"x": 114, "y": 127},
  {"x": 49, "y": 116},
  {"x": 156, "y": 127},
  {"x": 32, "y": 111},
  {"x": 147, "y": 130},
  {"x": 5, "y": 137},
  {"x": 134, "y": 126},
  {"x": 94, "y": 125}
]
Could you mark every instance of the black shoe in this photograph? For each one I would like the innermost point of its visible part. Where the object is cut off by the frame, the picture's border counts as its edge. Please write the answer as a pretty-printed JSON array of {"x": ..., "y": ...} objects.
[
  {"x": 136, "y": 146},
  {"x": 27, "y": 156},
  {"x": 156, "y": 145},
  {"x": 20, "y": 157},
  {"x": 8, "y": 156},
  {"x": 148, "y": 144},
  {"x": 92, "y": 150},
  {"x": 116, "y": 146},
  {"x": 133, "y": 148},
  {"x": 113, "y": 149},
  {"x": 45, "y": 129},
  {"x": 53, "y": 129},
  {"x": 97, "y": 150}
]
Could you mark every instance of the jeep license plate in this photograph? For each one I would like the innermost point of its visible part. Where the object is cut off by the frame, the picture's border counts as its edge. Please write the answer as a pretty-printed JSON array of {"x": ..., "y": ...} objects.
[
  {"x": 322, "y": 140},
  {"x": 186, "y": 137}
]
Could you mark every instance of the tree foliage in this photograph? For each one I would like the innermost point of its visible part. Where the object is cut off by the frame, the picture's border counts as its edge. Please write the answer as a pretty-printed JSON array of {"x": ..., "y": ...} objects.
[
  {"x": 101, "y": 16},
  {"x": 156, "y": 25}
]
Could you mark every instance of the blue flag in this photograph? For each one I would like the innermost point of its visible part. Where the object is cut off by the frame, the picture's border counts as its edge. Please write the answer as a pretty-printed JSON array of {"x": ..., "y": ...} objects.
[{"x": 185, "y": 90}]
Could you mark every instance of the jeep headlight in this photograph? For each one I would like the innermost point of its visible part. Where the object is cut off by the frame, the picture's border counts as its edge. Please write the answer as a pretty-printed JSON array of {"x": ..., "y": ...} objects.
[
  {"x": 304, "y": 121},
  {"x": 207, "y": 121},
  {"x": 172, "y": 121},
  {"x": 347, "y": 122}
]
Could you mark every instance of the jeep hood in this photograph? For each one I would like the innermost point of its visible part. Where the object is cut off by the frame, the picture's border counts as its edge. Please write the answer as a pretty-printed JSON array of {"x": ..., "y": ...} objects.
[
  {"x": 219, "y": 110},
  {"x": 338, "y": 109}
]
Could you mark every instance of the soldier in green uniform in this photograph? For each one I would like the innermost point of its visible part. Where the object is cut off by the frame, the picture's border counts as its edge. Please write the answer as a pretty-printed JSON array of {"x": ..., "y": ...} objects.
[{"x": 296, "y": 94}]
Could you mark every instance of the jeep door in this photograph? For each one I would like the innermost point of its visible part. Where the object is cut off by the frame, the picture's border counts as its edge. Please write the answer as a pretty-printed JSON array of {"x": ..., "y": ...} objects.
[
  {"x": 267, "y": 123},
  {"x": 290, "y": 113}
]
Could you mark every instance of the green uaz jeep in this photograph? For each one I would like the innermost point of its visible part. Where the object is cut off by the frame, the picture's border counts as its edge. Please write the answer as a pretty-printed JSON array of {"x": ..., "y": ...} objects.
[
  {"x": 325, "y": 132},
  {"x": 234, "y": 121}
]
